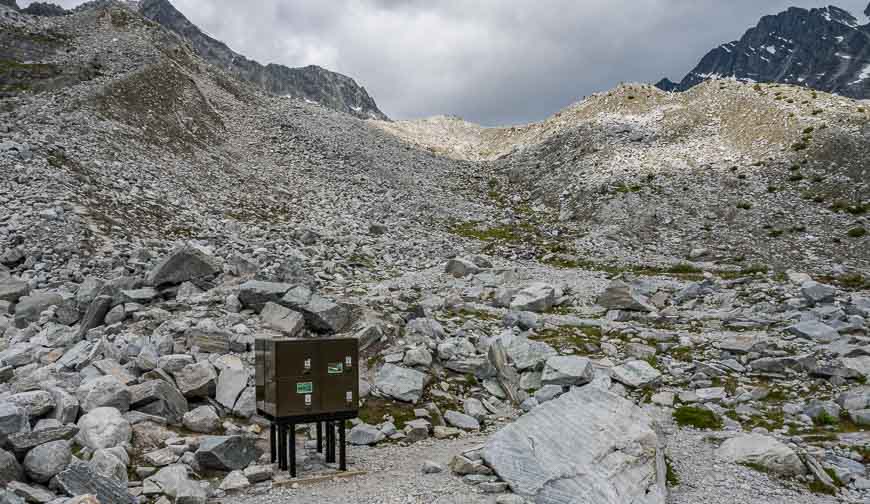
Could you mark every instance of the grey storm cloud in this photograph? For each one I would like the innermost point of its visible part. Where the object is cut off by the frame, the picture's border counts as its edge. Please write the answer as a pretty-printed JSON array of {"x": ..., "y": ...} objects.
[{"x": 489, "y": 61}]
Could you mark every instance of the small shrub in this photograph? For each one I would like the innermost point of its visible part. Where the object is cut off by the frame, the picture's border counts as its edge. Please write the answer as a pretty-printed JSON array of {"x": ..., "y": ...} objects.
[
  {"x": 776, "y": 233},
  {"x": 772, "y": 189},
  {"x": 799, "y": 146},
  {"x": 857, "y": 232},
  {"x": 753, "y": 269},
  {"x": 744, "y": 205},
  {"x": 797, "y": 177},
  {"x": 825, "y": 418}
]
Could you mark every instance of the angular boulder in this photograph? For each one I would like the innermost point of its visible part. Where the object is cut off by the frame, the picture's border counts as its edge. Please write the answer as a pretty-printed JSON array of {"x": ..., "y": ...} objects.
[
  {"x": 66, "y": 406},
  {"x": 282, "y": 319},
  {"x": 181, "y": 265},
  {"x": 12, "y": 290},
  {"x": 105, "y": 391},
  {"x": 81, "y": 478},
  {"x": 35, "y": 403},
  {"x": 567, "y": 370},
  {"x": 46, "y": 461},
  {"x": 815, "y": 330},
  {"x": 324, "y": 315},
  {"x": 588, "y": 445},
  {"x": 621, "y": 296},
  {"x": 13, "y": 419},
  {"x": 254, "y": 294},
  {"x": 818, "y": 293},
  {"x": 538, "y": 297},
  {"x": 425, "y": 331},
  {"x": 226, "y": 453},
  {"x": 232, "y": 381},
  {"x": 196, "y": 380},
  {"x": 459, "y": 267},
  {"x": 636, "y": 374},
  {"x": 23, "y": 442},
  {"x": 10, "y": 469},
  {"x": 159, "y": 398},
  {"x": 202, "y": 419},
  {"x": 763, "y": 451},
  {"x": 461, "y": 420},
  {"x": 30, "y": 307},
  {"x": 364, "y": 434},
  {"x": 400, "y": 383}
]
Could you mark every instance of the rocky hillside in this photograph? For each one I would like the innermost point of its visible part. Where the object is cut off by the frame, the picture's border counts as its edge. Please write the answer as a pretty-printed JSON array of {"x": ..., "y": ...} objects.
[
  {"x": 668, "y": 293},
  {"x": 329, "y": 89},
  {"x": 767, "y": 175},
  {"x": 826, "y": 49}
]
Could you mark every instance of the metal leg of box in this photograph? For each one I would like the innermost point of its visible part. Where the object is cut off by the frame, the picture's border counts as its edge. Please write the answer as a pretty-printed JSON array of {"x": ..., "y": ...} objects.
[
  {"x": 342, "y": 449},
  {"x": 330, "y": 442},
  {"x": 282, "y": 451},
  {"x": 292, "y": 441},
  {"x": 319, "y": 437},
  {"x": 272, "y": 447}
]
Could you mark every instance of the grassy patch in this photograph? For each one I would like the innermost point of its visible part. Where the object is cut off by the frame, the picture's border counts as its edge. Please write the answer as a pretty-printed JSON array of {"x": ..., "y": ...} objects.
[
  {"x": 699, "y": 418},
  {"x": 671, "y": 476},
  {"x": 857, "y": 232},
  {"x": 564, "y": 337},
  {"x": 374, "y": 410}
]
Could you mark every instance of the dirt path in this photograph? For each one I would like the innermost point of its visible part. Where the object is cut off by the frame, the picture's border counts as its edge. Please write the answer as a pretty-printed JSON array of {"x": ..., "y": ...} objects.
[{"x": 393, "y": 476}]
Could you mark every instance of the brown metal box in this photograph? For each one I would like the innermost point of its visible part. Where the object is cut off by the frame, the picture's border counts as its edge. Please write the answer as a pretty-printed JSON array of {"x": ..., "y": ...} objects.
[{"x": 303, "y": 377}]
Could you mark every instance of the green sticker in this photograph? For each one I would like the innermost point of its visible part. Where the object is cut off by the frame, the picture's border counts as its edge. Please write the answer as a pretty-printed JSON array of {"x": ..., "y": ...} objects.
[
  {"x": 335, "y": 368},
  {"x": 304, "y": 387}
]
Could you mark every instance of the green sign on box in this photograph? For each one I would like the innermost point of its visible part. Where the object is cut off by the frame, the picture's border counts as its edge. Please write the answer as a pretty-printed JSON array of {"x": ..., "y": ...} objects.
[
  {"x": 305, "y": 387},
  {"x": 335, "y": 368}
]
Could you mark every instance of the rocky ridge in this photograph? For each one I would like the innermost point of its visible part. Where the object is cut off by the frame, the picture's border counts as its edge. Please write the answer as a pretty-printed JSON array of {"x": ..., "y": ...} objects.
[
  {"x": 314, "y": 83},
  {"x": 158, "y": 214}
]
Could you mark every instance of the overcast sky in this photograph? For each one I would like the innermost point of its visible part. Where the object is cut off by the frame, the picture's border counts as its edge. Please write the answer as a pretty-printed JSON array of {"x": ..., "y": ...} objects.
[{"x": 489, "y": 61}]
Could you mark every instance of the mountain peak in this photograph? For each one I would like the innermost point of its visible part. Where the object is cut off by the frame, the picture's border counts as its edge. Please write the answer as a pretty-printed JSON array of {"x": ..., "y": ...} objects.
[{"x": 821, "y": 48}]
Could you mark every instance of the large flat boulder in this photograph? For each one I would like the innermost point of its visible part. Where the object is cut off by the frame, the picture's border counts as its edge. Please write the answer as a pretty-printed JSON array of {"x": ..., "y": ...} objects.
[
  {"x": 588, "y": 445},
  {"x": 763, "y": 451},
  {"x": 181, "y": 265},
  {"x": 400, "y": 383}
]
